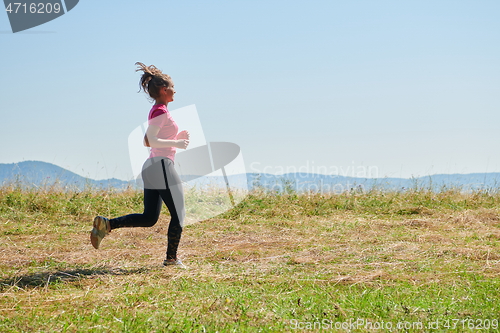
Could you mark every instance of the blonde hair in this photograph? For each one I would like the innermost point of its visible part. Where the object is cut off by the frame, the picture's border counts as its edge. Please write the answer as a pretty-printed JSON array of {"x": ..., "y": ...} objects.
[{"x": 152, "y": 80}]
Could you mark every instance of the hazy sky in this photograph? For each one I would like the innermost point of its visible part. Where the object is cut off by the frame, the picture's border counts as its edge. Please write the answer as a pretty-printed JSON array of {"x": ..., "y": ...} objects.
[{"x": 400, "y": 88}]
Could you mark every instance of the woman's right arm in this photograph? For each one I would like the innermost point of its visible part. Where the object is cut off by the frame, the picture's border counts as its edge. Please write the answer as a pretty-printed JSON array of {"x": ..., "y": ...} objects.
[{"x": 151, "y": 140}]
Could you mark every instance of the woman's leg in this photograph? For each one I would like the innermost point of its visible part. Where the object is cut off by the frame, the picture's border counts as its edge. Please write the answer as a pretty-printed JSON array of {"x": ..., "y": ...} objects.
[
  {"x": 162, "y": 183},
  {"x": 152, "y": 209},
  {"x": 173, "y": 196}
]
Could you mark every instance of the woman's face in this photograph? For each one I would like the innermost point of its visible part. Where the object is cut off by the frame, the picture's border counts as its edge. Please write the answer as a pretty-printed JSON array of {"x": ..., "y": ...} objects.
[{"x": 169, "y": 92}]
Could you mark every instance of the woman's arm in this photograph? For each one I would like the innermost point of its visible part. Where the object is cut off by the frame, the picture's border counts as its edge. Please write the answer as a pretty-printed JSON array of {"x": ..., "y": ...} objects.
[{"x": 151, "y": 140}]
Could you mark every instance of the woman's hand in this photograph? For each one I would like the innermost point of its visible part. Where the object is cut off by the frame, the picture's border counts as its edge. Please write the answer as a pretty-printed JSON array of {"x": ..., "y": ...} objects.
[
  {"x": 182, "y": 139},
  {"x": 182, "y": 144},
  {"x": 183, "y": 135}
]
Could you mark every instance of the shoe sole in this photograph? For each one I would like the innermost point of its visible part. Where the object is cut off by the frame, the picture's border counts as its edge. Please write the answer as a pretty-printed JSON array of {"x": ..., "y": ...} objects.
[
  {"x": 177, "y": 264},
  {"x": 99, "y": 231}
]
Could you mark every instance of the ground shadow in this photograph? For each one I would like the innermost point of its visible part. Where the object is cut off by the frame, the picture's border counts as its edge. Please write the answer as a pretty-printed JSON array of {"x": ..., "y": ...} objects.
[{"x": 44, "y": 279}]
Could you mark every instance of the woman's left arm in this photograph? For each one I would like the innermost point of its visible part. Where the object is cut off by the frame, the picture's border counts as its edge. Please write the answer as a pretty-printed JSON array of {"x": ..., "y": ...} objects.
[
  {"x": 184, "y": 135},
  {"x": 153, "y": 141}
]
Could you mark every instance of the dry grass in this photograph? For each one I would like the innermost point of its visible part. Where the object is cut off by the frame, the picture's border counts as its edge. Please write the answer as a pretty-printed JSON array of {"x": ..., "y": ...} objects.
[
  {"x": 268, "y": 246},
  {"x": 344, "y": 243}
]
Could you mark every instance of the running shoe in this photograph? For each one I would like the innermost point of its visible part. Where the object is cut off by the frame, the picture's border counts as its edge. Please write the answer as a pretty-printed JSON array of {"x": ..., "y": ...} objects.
[
  {"x": 177, "y": 263},
  {"x": 100, "y": 230}
]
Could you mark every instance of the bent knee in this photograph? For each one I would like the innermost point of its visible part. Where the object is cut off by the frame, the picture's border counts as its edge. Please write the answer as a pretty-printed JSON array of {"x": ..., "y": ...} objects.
[{"x": 150, "y": 221}]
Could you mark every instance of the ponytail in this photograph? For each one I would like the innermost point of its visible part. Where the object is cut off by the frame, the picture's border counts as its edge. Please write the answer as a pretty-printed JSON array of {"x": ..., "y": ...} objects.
[{"x": 152, "y": 79}]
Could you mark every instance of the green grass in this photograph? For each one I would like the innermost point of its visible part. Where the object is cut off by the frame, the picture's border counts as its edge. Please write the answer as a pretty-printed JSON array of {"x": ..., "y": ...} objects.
[{"x": 274, "y": 263}]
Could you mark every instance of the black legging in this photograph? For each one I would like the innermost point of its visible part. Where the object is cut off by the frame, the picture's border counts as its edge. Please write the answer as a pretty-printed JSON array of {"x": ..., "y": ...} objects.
[{"x": 161, "y": 182}]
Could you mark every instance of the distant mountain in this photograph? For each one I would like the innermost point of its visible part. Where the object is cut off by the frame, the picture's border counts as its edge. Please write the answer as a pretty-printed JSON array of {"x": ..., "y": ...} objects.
[
  {"x": 42, "y": 174},
  {"x": 38, "y": 174},
  {"x": 306, "y": 182}
]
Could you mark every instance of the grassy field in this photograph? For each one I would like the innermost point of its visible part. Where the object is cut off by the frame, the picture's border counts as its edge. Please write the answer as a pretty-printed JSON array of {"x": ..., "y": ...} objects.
[{"x": 414, "y": 261}]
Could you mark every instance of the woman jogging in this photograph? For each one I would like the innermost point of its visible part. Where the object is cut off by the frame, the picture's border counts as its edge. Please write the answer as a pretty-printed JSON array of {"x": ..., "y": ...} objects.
[{"x": 161, "y": 181}]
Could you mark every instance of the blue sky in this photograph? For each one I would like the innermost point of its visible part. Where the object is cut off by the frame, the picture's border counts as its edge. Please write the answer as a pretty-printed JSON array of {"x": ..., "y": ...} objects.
[{"x": 406, "y": 88}]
